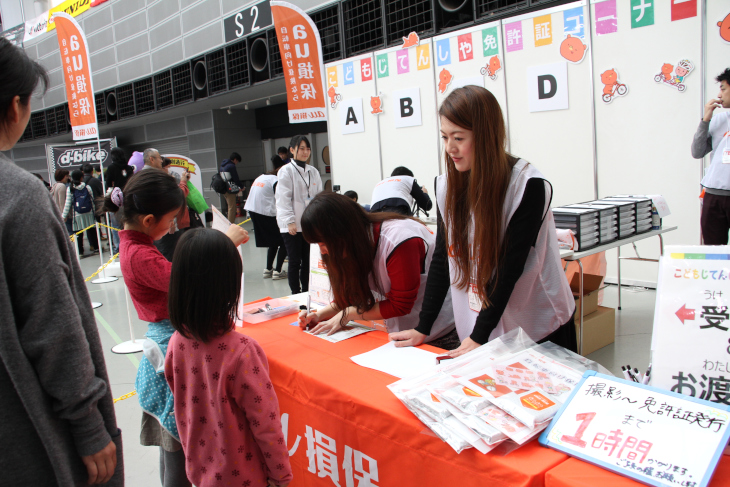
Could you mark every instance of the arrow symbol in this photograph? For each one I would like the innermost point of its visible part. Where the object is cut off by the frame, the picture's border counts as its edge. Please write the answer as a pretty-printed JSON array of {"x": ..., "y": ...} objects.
[{"x": 685, "y": 314}]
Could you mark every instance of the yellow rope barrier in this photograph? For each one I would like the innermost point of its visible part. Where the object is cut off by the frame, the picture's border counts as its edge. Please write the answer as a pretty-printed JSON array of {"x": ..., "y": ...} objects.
[
  {"x": 101, "y": 268},
  {"x": 111, "y": 228},
  {"x": 73, "y": 239},
  {"x": 245, "y": 221},
  {"x": 126, "y": 396}
]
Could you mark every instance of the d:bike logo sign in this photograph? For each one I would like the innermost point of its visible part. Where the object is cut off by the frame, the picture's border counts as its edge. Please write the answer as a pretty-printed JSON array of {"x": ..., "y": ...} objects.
[{"x": 74, "y": 157}]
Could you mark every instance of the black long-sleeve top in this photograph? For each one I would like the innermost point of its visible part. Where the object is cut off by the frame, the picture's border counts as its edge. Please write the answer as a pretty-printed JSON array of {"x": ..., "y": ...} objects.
[{"x": 520, "y": 236}]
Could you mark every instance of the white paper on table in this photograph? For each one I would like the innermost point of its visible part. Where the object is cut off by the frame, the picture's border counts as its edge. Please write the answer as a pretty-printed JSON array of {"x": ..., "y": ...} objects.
[
  {"x": 399, "y": 362},
  {"x": 221, "y": 223},
  {"x": 348, "y": 331}
]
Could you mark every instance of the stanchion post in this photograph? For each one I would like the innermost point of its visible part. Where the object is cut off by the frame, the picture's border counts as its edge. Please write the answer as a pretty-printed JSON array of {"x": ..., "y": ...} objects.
[{"x": 131, "y": 346}]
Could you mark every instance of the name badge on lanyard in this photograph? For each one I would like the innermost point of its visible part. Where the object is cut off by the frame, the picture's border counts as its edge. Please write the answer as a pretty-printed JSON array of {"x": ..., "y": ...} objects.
[{"x": 475, "y": 302}]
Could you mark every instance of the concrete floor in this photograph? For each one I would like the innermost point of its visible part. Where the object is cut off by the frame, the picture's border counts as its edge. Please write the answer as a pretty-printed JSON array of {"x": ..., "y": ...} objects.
[{"x": 633, "y": 338}]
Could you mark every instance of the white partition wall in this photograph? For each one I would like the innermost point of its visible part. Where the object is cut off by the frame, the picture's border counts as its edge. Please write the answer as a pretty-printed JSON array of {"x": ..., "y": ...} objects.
[
  {"x": 354, "y": 135},
  {"x": 471, "y": 56},
  {"x": 559, "y": 142},
  {"x": 409, "y": 133},
  {"x": 637, "y": 141},
  {"x": 644, "y": 137}
]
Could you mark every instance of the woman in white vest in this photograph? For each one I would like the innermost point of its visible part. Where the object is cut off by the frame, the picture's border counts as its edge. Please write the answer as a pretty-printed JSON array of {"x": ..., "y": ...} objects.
[
  {"x": 502, "y": 264},
  {"x": 261, "y": 205},
  {"x": 298, "y": 184},
  {"x": 377, "y": 265}
]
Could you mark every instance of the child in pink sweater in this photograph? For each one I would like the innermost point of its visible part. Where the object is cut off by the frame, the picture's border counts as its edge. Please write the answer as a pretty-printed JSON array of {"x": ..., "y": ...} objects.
[{"x": 226, "y": 409}]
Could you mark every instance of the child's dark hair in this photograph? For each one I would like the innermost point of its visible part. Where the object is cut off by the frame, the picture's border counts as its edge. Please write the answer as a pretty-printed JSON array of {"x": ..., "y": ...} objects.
[
  {"x": 724, "y": 76},
  {"x": 19, "y": 76},
  {"x": 352, "y": 195},
  {"x": 283, "y": 150},
  {"x": 148, "y": 192},
  {"x": 204, "y": 291}
]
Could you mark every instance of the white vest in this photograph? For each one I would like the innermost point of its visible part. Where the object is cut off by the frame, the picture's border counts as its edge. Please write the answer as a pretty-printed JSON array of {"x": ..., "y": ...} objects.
[
  {"x": 541, "y": 300},
  {"x": 392, "y": 234},
  {"x": 261, "y": 198},
  {"x": 394, "y": 187}
]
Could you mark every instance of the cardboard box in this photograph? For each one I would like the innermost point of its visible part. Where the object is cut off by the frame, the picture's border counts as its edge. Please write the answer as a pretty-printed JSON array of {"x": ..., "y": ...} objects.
[
  {"x": 591, "y": 285},
  {"x": 599, "y": 329}
]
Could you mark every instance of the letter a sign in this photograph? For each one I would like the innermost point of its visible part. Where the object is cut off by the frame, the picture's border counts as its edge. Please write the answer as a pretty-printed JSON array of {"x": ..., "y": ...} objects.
[{"x": 547, "y": 87}]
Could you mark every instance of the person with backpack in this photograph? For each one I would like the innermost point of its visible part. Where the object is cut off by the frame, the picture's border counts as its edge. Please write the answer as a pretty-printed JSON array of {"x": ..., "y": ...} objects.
[
  {"x": 235, "y": 186},
  {"x": 80, "y": 204}
]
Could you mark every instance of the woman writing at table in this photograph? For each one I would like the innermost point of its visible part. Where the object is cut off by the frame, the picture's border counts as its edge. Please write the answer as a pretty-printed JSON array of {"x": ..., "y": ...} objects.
[
  {"x": 377, "y": 264},
  {"x": 502, "y": 264}
]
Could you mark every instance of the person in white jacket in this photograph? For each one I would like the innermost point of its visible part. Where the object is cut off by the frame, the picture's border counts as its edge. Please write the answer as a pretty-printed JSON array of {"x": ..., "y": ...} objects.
[{"x": 298, "y": 184}]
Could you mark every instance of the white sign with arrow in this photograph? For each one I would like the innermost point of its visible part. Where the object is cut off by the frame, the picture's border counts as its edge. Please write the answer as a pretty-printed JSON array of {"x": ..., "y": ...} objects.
[{"x": 691, "y": 339}]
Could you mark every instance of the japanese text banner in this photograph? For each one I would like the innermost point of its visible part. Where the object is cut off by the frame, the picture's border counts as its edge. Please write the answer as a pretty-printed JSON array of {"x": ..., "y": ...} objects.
[
  {"x": 690, "y": 352},
  {"x": 301, "y": 59},
  {"x": 77, "y": 76}
]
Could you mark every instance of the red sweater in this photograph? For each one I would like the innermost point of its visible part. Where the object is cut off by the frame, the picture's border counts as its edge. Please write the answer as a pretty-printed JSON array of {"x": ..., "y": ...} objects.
[
  {"x": 146, "y": 273},
  {"x": 404, "y": 269},
  {"x": 226, "y": 411}
]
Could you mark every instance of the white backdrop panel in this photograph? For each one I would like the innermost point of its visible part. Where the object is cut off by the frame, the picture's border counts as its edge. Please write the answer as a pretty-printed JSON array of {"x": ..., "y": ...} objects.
[
  {"x": 414, "y": 147},
  {"x": 644, "y": 137},
  {"x": 355, "y": 158},
  {"x": 559, "y": 143}
]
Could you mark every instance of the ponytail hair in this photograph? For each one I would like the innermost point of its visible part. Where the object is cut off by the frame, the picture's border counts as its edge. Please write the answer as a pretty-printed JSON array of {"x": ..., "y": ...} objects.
[{"x": 149, "y": 192}]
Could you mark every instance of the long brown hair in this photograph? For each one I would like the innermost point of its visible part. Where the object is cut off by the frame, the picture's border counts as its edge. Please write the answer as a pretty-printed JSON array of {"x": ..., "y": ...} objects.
[
  {"x": 344, "y": 227},
  {"x": 479, "y": 192}
]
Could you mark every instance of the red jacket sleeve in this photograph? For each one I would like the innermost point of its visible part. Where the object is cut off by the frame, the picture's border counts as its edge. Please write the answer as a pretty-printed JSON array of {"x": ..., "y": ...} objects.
[{"x": 405, "y": 266}]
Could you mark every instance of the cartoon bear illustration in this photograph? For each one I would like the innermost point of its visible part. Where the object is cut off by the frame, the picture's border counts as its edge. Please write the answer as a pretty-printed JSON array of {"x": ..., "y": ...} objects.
[
  {"x": 375, "y": 103},
  {"x": 334, "y": 96},
  {"x": 491, "y": 69},
  {"x": 608, "y": 78},
  {"x": 410, "y": 41},
  {"x": 724, "y": 26},
  {"x": 445, "y": 78},
  {"x": 667, "y": 71},
  {"x": 573, "y": 49}
]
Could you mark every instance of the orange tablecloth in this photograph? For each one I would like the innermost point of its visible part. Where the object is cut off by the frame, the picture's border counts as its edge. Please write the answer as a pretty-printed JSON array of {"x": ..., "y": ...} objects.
[
  {"x": 577, "y": 473},
  {"x": 343, "y": 425}
]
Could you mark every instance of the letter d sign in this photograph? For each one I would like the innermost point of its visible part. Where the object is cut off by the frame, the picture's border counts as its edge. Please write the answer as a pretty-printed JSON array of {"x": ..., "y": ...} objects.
[{"x": 547, "y": 87}]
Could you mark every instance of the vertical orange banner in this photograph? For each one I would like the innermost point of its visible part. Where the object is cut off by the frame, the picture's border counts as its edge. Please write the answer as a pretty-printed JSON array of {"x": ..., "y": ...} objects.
[
  {"x": 301, "y": 58},
  {"x": 77, "y": 75}
]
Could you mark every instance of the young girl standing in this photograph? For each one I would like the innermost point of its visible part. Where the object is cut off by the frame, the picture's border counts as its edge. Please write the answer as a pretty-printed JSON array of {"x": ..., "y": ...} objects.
[
  {"x": 227, "y": 411},
  {"x": 150, "y": 202}
]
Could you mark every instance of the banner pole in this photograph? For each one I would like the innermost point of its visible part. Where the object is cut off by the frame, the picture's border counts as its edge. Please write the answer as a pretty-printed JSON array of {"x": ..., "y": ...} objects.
[{"x": 103, "y": 279}]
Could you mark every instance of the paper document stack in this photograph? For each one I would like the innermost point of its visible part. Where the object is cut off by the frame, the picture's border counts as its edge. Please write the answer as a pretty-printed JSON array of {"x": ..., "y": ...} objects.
[{"x": 502, "y": 394}]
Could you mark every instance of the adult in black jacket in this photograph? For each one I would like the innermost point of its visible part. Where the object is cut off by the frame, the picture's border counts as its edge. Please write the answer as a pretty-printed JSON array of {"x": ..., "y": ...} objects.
[
  {"x": 116, "y": 176},
  {"x": 91, "y": 181},
  {"x": 230, "y": 175}
]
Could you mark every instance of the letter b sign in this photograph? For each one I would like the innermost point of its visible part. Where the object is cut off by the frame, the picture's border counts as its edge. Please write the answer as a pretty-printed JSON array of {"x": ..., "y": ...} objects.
[
  {"x": 407, "y": 107},
  {"x": 547, "y": 87}
]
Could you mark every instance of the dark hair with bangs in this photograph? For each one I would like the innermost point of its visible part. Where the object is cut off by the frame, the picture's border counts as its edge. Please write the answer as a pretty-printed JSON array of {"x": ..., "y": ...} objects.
[
  {"x": 205, "y": 285},
  {"x": 19, "y": 76},
  {"x": 345, "y": 228},
  {"x": 148, "y": 192}
]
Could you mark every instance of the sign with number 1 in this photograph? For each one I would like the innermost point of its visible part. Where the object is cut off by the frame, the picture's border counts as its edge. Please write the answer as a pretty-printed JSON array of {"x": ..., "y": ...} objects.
[{"x": 654, "y": 436}]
